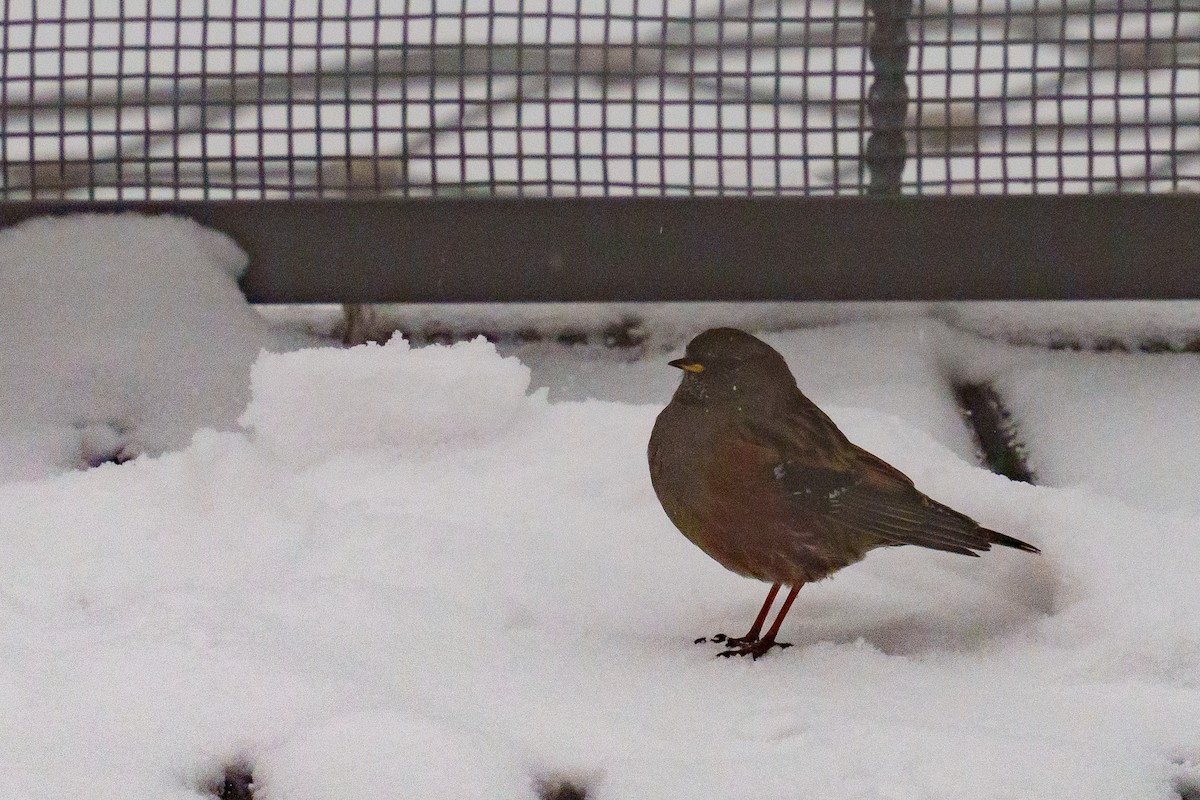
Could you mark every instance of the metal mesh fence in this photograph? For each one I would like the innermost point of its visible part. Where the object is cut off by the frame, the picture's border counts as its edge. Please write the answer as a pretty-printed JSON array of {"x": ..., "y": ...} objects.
[{"x": 166, "y": 99}]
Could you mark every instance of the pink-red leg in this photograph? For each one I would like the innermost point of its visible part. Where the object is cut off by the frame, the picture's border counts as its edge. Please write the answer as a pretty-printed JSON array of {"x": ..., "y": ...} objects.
[
  {"x": 752, "y": 635},
  {"x": 758, "y": 647}
]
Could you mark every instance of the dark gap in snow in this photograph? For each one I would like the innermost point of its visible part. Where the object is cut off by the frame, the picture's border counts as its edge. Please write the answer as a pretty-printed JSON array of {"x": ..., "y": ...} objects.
[
  {"x": 445, "y": 336},
  {"x": 105, "y": 442},
  {"x": 984, "y": 410},
  {"x": 558, "y": 789},
  {"x": 1152, "y": 345},
  {"x": 358, "y": 320},
  {"x": 361, "y": 323},
  {"x": 237, "y": 783},
  {"x": 571, "y": 337},
  {"x": 630, "y": 332},
  {"x": 119, "y": 457},
  {"x": 1187, "y": 784}
]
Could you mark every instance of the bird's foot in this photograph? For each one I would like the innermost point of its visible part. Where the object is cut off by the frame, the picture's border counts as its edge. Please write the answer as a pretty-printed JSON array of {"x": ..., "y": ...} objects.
[
  {"x": 729, "y": 641},
  {"x": 753, "y": 648},
  {"x": 736, "y": 641}
]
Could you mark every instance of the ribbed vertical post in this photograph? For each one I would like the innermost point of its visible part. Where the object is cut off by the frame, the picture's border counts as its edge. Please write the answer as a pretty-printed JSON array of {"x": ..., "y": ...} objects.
[{"x": 887, "y": 101}]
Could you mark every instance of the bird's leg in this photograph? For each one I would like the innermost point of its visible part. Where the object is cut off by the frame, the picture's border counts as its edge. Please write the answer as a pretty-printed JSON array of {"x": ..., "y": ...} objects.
[
  {"x": 761, "y": 646},
  {"x": 752, "y": 635}
]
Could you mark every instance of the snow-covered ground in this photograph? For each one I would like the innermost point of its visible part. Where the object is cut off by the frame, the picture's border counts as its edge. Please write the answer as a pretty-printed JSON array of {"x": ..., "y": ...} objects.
[{"x": 440, "y": 572}]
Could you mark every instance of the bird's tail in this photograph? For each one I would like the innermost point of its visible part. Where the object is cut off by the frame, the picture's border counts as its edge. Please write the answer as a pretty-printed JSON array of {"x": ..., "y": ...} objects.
[{"x": 995, "y": 537}]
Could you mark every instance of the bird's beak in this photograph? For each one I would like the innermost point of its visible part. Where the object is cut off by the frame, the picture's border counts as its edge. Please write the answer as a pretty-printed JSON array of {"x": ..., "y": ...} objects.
[{"x": 686, "y": 366}]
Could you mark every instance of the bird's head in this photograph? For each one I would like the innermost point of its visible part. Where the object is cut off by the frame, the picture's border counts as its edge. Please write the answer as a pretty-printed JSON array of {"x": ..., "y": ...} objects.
[{"x": 729, "y": 365}]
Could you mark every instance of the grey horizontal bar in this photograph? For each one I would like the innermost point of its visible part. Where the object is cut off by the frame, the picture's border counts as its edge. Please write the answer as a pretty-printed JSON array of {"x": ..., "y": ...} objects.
[{"x": 1068, "y": 247}]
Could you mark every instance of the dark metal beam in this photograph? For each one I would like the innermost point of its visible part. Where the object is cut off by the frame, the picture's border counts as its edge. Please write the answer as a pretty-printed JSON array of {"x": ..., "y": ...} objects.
[{"x": 1072, "y": 247}]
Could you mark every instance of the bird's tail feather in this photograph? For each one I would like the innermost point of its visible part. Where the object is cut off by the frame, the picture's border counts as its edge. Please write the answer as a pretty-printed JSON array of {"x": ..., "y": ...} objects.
[{"x": 996, "y": 537}]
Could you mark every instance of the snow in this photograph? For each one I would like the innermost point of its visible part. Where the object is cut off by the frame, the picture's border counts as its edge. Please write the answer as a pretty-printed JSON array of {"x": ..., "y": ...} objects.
[
  {"x": 1113, "y": 422},
  {"x": 428, "y": 571},
  {"x": 307, "y": 407},
  {"x": 122, "y": 335}
]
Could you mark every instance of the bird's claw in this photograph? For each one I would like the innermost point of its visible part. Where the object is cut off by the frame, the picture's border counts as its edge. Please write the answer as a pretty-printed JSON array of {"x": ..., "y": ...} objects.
[
  {"x": 740, "y": 641},
  {"x": 753, "y": 649},
  {"x": 728, "y": 641}
]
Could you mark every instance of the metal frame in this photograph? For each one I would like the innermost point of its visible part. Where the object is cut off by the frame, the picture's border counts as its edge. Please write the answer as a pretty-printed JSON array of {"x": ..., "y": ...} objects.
[
  {"x": 1069, "y": 247},
  {"x": 661, "y": 117}
]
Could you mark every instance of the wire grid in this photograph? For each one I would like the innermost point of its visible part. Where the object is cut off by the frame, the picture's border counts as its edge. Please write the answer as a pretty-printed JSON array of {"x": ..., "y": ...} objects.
[{"x": 179, "y": 99}]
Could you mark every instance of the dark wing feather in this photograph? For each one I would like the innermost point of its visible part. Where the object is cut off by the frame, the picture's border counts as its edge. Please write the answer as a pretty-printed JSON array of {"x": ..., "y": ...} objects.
[
  {"x": 906, "y": 517},
  {"x": 823, "y": 474}
]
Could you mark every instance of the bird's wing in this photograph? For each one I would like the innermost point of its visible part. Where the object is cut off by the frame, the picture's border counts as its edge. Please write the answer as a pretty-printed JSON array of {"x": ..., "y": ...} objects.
[
  {"x": 823, "y": 475},
  {"x": 907, "y": 517}
]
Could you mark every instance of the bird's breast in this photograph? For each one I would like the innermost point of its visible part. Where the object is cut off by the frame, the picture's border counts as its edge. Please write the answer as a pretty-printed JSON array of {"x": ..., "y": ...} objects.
[{"x": 708, "y": 490}]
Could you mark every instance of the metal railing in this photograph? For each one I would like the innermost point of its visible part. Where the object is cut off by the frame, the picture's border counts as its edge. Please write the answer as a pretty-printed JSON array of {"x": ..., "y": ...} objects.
[{"x": 245, "y": 99}]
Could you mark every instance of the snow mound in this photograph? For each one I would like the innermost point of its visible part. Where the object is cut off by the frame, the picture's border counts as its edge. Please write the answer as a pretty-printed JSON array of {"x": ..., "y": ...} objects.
[
  {"x": 122, "y": 335},
  {"x": 312, "y": 404}
]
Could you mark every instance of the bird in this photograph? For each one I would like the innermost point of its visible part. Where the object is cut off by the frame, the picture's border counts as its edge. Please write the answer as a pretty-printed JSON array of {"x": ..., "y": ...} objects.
[{"x": 759, "y": 478}]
